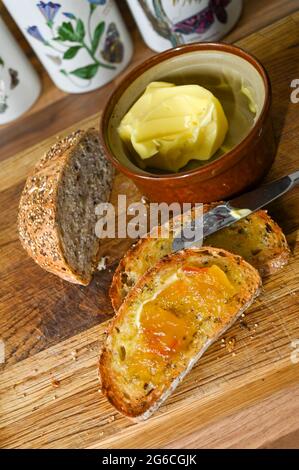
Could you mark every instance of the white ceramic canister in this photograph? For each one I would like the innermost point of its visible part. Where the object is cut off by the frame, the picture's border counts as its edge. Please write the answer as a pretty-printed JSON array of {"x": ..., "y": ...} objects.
[
  {"x": 19, "y": 83},
  {"x": 83, "y": 44},
  {"x": 168, "y": 23}
]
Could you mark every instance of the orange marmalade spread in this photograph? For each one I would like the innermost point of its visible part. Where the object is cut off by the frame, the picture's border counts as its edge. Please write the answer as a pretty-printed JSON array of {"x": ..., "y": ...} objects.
[{"x": 172, "y": 318}]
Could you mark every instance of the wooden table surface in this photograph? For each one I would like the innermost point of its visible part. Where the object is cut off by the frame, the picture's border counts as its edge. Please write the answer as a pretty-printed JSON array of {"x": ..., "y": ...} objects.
[{"x": 54, "y": 111}]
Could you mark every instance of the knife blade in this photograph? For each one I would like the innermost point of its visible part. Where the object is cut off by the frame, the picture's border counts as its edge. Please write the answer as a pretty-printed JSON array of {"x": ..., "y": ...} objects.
[{"x": 230, "y": 212}]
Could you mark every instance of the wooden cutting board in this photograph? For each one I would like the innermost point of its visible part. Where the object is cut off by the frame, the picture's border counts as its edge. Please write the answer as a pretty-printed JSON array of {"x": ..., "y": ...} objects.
[{"x": 52, "y": 330}]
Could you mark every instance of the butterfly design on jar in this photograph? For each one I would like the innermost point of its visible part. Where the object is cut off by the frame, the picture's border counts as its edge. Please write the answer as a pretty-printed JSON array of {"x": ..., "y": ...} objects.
[
  {"x": 113, "y": 50},
  {"x": 203, "y": 20},
  {"x": 13, "y": 82}
]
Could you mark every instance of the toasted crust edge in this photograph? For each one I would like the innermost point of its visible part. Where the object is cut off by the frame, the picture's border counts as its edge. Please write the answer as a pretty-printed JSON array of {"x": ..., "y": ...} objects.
[
  {"x": 116, "y": 400},
  {"x": 281, "y": 257},
  {"x": 116, "y": 283}
]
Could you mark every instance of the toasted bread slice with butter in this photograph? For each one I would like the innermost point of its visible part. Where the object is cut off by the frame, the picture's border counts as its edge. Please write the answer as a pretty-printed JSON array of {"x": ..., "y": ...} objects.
[
  {"x": 257, "y": 238},
  {"x": 170, "y": 317}
]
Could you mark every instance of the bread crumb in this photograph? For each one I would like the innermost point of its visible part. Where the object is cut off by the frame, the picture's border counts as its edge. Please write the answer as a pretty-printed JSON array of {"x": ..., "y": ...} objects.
[
  {"x": 111, "y": 419},
  {"x": 230, "y": 344},
  {"x": 55, "y": 383},
  {"x": 74, "y": 355},
  {"x": 102, "y": 265}
]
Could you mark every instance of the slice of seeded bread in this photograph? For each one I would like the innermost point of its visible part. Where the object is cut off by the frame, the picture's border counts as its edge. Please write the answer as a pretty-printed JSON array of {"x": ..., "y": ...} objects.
[
  {"x": 257, "y": 238},
  {"x": 134, "y": 377},
  {"x": 57, "y": 218}
]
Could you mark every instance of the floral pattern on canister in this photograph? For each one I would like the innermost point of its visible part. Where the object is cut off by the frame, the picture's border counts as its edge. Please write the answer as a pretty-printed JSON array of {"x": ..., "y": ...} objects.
[
  {"x": 14, "y": 81},
  {"x": 198, "y": 23},
  {"x": 66, "y": 39}
]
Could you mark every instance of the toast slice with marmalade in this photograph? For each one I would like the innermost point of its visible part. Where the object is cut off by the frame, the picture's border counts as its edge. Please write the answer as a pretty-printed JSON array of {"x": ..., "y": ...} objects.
[{"x": 174, "y": 312}]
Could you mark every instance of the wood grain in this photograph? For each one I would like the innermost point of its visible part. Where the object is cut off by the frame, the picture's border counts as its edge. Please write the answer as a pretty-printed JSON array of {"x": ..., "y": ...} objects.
[
  {"x": 239, "y": 430},
  {"x": 53, "y": 330}
]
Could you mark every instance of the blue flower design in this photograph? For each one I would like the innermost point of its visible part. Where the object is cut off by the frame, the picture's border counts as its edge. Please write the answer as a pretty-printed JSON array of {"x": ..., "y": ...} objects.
[
  {"x": 49, "y": 10},
  {"x": 35, "y": 33},
  {"x": 81, "y": 35},
  {"x": 71, "y": 16}
]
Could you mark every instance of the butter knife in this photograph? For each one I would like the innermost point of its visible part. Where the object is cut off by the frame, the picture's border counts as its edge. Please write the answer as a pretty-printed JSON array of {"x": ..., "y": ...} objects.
[{"x": 230, "y": 212}]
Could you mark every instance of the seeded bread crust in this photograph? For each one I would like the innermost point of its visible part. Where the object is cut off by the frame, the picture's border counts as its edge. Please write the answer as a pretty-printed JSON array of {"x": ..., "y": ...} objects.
[
  {"x": 148, "y": 251},
  {"x": 39, "y": 229},
  {"x": 115, "y": 385}
]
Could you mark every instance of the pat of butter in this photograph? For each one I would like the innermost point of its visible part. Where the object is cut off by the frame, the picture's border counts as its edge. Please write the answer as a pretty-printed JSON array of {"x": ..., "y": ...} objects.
[
  {"x": 240, "y": 213},
  {"x": 170, "y": 125}
]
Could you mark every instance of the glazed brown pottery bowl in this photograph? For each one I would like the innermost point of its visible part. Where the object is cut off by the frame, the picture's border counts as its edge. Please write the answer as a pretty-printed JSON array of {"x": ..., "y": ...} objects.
[{"x": 241, "y": 167}]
